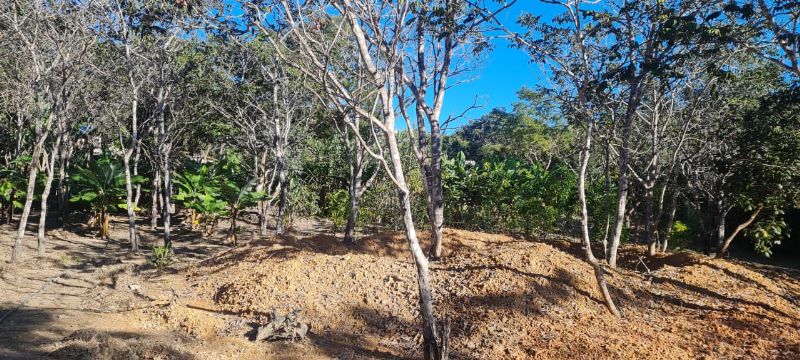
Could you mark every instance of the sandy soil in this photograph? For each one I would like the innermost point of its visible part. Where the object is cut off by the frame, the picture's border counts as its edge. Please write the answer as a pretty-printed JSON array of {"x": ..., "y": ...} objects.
[{"x": 505, "y": 297}]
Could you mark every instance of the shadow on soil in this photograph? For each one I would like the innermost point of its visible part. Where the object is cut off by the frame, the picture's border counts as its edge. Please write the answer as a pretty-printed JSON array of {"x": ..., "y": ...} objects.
[{"x": 32, "y": 333}]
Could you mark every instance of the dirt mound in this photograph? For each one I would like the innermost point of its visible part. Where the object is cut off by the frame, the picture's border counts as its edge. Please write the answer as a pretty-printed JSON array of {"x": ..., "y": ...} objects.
[{"x": 507, "y": 298}]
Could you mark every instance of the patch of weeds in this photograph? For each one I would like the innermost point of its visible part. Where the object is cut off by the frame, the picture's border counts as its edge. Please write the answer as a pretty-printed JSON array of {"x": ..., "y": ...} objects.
[{"x": 161, "y": 257}]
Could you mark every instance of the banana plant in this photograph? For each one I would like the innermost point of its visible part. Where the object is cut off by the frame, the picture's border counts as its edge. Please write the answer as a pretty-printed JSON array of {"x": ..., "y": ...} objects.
[
  {"x": 239, "y": 196},
  {"x": 199, "y": 192},
  {"x": 102, "y": 186}
]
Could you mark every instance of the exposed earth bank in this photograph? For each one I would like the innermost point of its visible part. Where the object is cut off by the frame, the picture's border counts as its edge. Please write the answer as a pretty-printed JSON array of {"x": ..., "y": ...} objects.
[{"x": 506, "y": 298}]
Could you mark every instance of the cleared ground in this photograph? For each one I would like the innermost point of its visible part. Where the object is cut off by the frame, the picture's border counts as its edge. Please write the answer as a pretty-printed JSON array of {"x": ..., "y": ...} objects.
[{"x": 506, "y": 298}]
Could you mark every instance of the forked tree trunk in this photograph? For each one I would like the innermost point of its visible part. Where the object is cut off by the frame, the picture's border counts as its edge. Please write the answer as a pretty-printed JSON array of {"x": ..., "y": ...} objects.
[
  {"x": 587, "y": 246},
  {"x": 723, "y": 250},
  {"x": 41, "y": 235}
]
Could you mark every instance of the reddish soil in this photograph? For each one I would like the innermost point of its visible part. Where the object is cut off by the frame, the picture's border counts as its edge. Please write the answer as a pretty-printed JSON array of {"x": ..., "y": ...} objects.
[{"x": 506, "y": 298}]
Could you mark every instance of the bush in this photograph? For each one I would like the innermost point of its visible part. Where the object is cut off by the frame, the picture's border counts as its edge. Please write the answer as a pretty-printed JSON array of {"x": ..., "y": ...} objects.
[
  {"x": 681, "y": 236},
  {"x": 161, "y": 257}
]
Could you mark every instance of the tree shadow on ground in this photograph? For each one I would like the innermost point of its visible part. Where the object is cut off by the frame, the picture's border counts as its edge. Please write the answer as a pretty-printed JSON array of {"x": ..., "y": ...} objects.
[
  {"x": 32, "y": 333},
  {"x": 708, "y": 293}
]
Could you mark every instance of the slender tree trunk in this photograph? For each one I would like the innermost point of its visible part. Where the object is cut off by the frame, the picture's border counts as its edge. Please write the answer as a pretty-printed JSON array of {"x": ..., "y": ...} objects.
[
  {"x": 232, "y": 230},
  {"x": 720, "y": 230},
  {"x": 352, "y": 216},
  {"x": 26, "y": 210},
  {"x": 283, "y": 190},
  {"x": 131, "y": 206},
  {"x": 430, "y": 340},
  {"x": 354, "y": 189},
  {"x": 63, "y": 175},
  {"x": 130, "y": 202},
  {"x": 436, "y": 192},
  {"x": 723, "y": 250},
  {"x": 166, "y": 210},
  {"x": 10, "y": 211},
  {"x": 155, "y": 196},
  {"x": 260, "y": 164},
  {"x": 607, "y": 196},
  {"x": 41, "y": 235},
  {"x": 670, "y": 223},
  {"x": 649, "y": 223},
  {"x": 622, "y": 162},
  {"x": 587, "y": 246}
]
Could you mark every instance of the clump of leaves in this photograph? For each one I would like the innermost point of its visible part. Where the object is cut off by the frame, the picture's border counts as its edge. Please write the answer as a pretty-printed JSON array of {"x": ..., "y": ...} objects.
[
  {"x": 337, "y": 208},
  {"x": 236, "y": 191},
  {"x": 14, "y": 183},
  {"x": 102, "y": 185},
  {"x": 199, "y": 191},
  {"x": 681, "y": 235},
  {"x": 162, "y": 257}
]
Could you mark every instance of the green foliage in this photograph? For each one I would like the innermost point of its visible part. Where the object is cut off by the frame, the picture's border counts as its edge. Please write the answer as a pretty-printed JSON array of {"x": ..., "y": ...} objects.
[
  {"x": 162, "y": 257},
  {"x": 199, "y": 191},
  {"x": 337, "y": 209},
  {"x": 235, "y": 189},
  {"x": 14, "y": 182},
  {"x": 507, "y": 196},
  {"x": 102, "y": 184},
  {"x": 218, "y": 189},
  {"x": 681, "y": 235},
  {"x": 768, "y": 232}
]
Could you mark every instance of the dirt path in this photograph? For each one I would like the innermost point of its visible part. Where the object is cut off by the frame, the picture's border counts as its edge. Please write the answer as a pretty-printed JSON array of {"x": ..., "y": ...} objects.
[{"x": 88, "y": 286}]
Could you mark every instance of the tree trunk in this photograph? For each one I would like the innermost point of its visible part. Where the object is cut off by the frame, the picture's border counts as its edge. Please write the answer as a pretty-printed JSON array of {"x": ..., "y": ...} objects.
[
  {"x": 670, "y": 223},
  {"x": 723, "y": 250},
  {"x": 720, "y": 230},
  {"x": 10, "y": 211},
  {"x": 354, "y": 188},
  {"x": 41, "y": 235},
  {"x": 431, "y": 346},
  {"x": 63, "y": 176},
  {"x": 131, "y": 206},
  {"x": 232, "y": 230},
  {"x": 155, "y": 196},
  {"x": 284, "y": 192},
  {"x": 104, "y": 219},
  {"x": 436, "y": 192},
  {"x": 167, "y": 196},
  {"x": 587, "y": 246},
  {"x": 352, "y": 217},
  {"x": 649, "y": 223},
  {"x": 622, "y": 163},
  {"x": 607, "y": 196},
  {"x": 26, "y": 210}
]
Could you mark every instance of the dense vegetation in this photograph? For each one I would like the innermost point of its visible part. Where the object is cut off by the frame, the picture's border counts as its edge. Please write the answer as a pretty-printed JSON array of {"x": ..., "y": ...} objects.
[{"x": 668, "y": 123}]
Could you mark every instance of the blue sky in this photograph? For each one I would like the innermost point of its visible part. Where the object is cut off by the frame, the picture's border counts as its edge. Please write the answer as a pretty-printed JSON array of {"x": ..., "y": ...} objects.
[{"x": 503, "y": 71}]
